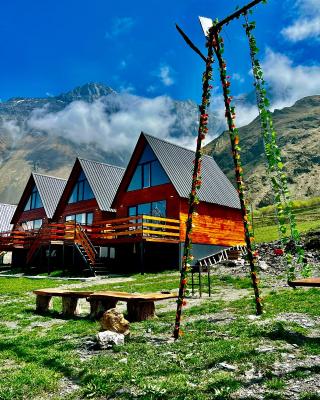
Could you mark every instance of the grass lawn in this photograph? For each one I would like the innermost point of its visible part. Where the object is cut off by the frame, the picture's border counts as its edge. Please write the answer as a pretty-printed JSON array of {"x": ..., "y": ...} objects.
[
  {"x": 269, "y": 233},
  {"x": 225, "y": 351}
]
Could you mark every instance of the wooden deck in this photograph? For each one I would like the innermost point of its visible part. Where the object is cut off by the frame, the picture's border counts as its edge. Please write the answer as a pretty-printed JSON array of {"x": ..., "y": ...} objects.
[{"x": 119, "y": 230}]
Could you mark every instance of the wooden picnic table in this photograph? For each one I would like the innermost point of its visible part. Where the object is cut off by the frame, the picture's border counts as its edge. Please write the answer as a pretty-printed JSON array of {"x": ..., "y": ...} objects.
[{"x": 140, "y": 306}]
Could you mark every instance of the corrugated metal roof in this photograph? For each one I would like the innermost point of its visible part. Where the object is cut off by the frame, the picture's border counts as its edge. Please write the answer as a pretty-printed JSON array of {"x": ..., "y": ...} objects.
[
  {"x": 178, "y": 164},
  {"x": 50, "y": 190},
  {"x": 6, "y": 214},
  {"x": 104, "y": 180}
]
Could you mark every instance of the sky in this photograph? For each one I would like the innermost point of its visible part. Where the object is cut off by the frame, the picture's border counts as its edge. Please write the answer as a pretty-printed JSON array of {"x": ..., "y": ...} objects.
[{"x": 49, "y": 47}]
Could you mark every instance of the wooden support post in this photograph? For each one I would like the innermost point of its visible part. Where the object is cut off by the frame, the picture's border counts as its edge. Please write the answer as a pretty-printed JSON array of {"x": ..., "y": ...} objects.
[
  {"x": 43, "y": 303},
  {"x": 70, "y": 306},
  {"x": 200, "y": 281},
  {"x": 49, "y": 255},
  {"x": 140, "y": 310},
  {"x": 142, "y": 257},
  {"x": 99, "y": 306}
]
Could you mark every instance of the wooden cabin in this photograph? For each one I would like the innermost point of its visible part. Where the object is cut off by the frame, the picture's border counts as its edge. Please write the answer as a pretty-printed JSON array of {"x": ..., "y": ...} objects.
[
  {"x": 35, "y": 209},
  {"x": 157, "y": 182}
]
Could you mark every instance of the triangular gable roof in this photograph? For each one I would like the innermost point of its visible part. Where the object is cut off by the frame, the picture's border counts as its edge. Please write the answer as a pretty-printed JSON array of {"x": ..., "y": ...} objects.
[
  {"x": 50, "y": 189},
  {"x": 177, "y": 162},
  {"x": 6, "y": 214},
  {"x": 104, "y": 180}
]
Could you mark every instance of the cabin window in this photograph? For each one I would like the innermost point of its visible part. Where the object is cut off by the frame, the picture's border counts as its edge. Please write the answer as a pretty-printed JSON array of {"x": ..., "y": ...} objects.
[
  {"x": 149, "y": 172},
  {"x": 107, "y": 252},
  {"x": 82, "y": 190},
  {"x": 34, "y": 200},
  {"x": 31, "y": 225},
  {"x": 156, "y": 209},
  {"x": 82, "y": 218}
]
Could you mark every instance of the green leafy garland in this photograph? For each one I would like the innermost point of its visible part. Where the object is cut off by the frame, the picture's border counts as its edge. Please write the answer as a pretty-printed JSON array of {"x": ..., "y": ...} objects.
[
  {"x": 275, "y": 165},
  {"x": 218, "y": 47},
  {"x": 196, "y": 184}
]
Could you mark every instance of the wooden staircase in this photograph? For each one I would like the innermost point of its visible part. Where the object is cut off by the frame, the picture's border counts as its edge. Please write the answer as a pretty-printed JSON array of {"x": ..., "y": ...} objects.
[
  {"x": 88, "y": 253},
  {"x": 37, "y": 243},
  {"x": 230, "y": 254}
]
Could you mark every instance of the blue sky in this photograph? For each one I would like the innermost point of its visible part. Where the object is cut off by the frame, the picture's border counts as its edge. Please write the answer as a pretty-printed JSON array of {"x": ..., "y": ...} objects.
[{"x": 51, "y": 46}]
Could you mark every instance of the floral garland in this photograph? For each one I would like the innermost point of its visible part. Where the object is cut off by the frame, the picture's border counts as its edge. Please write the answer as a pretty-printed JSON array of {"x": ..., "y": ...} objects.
[
  {"x": 196, "y": 184},
  {"x": 275, "y": 165},
  {"x": 218, "y": 47}
]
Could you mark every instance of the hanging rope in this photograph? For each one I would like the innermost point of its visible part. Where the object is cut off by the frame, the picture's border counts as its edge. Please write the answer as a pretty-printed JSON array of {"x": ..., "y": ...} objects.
[
  {"x": 196, "y": 184},
  {"x": 218, "y": 47},
  {"x": 275, "y": 165}
]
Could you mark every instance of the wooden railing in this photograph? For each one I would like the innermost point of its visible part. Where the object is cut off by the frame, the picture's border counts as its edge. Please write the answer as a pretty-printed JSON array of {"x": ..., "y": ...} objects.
[
  {"x": 142, "y": 226},
  {"x": 82, "y": 239}
]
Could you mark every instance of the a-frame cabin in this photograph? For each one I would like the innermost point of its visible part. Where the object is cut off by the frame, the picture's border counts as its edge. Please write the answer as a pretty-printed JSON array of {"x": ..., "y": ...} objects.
[
  {"x": 157, "y": 183},
  {"x": 85, "y": 204},
  {"x": 34, "y": 210}
]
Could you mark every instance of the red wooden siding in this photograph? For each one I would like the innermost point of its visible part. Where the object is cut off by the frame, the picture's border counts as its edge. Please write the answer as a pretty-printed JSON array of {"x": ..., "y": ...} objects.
[
  {"x": 85, "y": 206},
  {"x": 213, "y": 225},
  {"x": 30, "y": 215},
  {"x": 162, "y": 192}
]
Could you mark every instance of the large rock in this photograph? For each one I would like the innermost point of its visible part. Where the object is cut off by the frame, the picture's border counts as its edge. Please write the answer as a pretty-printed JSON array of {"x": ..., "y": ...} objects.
[
  {"x": 113, "y": 320},
  {"x": 108, "y": 339}
]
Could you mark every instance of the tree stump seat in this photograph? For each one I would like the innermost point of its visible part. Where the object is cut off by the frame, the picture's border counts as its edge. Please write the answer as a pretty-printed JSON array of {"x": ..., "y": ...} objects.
[
  {"x": 306, "y": 282},
  {"x": 140, "y": 307},
  {"x": 70, "y": 306}
]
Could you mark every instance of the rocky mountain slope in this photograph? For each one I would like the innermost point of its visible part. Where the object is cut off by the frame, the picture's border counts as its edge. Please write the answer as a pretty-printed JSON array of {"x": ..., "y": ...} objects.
[
  {"x": 25, "y": 147},
  {"x": 298, "y": 129}
]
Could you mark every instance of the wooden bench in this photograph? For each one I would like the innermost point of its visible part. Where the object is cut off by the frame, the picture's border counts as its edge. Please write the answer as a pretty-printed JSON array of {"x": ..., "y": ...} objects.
[
  {"x": 70, "y": 306},
  {"x": 139, "y": 306},
  {"x": 307, "y": 282}
]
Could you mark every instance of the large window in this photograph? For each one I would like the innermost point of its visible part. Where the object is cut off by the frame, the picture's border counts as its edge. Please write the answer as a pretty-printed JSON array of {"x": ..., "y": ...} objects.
[
  {"x": 31, "y": 225},
  {"x": 82, "y": 219},
  {"x": 34, "y": 200},
  {"x": 149, "y": 172},
  {"x": 156, "y": 209},
  {"x": 81, "y": 190}
]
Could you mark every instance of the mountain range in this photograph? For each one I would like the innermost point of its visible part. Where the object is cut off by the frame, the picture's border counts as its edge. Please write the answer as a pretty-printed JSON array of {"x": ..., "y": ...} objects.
[
  {"x": 27, "y": 145},
  {"x": 298, "y": 136}
]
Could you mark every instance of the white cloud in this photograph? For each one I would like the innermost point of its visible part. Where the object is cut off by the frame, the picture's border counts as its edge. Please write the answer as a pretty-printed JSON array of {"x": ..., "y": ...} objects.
[
  {"x": 117, "y": 131},
  {"x": 307, "y": 23},
  {"x": 11, "y": 128},
  {"x": 119, "y": 26},
  {"x": 289, "y": 83},
  {"x": 165, "y": 75}
]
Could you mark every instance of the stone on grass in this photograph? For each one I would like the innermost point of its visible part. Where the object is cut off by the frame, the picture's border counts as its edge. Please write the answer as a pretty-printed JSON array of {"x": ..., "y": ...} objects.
[
  {"x": 263, "y": 265},
  {"x": 228, "y": 367},
  {"x": 108, "y": 339},
  {"x": 113, "y": 320}
]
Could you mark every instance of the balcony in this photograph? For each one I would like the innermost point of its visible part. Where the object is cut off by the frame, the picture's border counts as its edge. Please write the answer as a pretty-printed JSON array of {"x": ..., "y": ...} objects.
[
  {"x": 120, "y": 230},
  {"x": 135, "y": 228}
]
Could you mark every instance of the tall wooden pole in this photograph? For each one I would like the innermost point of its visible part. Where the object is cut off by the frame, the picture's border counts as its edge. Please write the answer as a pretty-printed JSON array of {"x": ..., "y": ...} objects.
[
  {"x": 196, "y": 184},
  {"x": 235, "y": 146}
]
